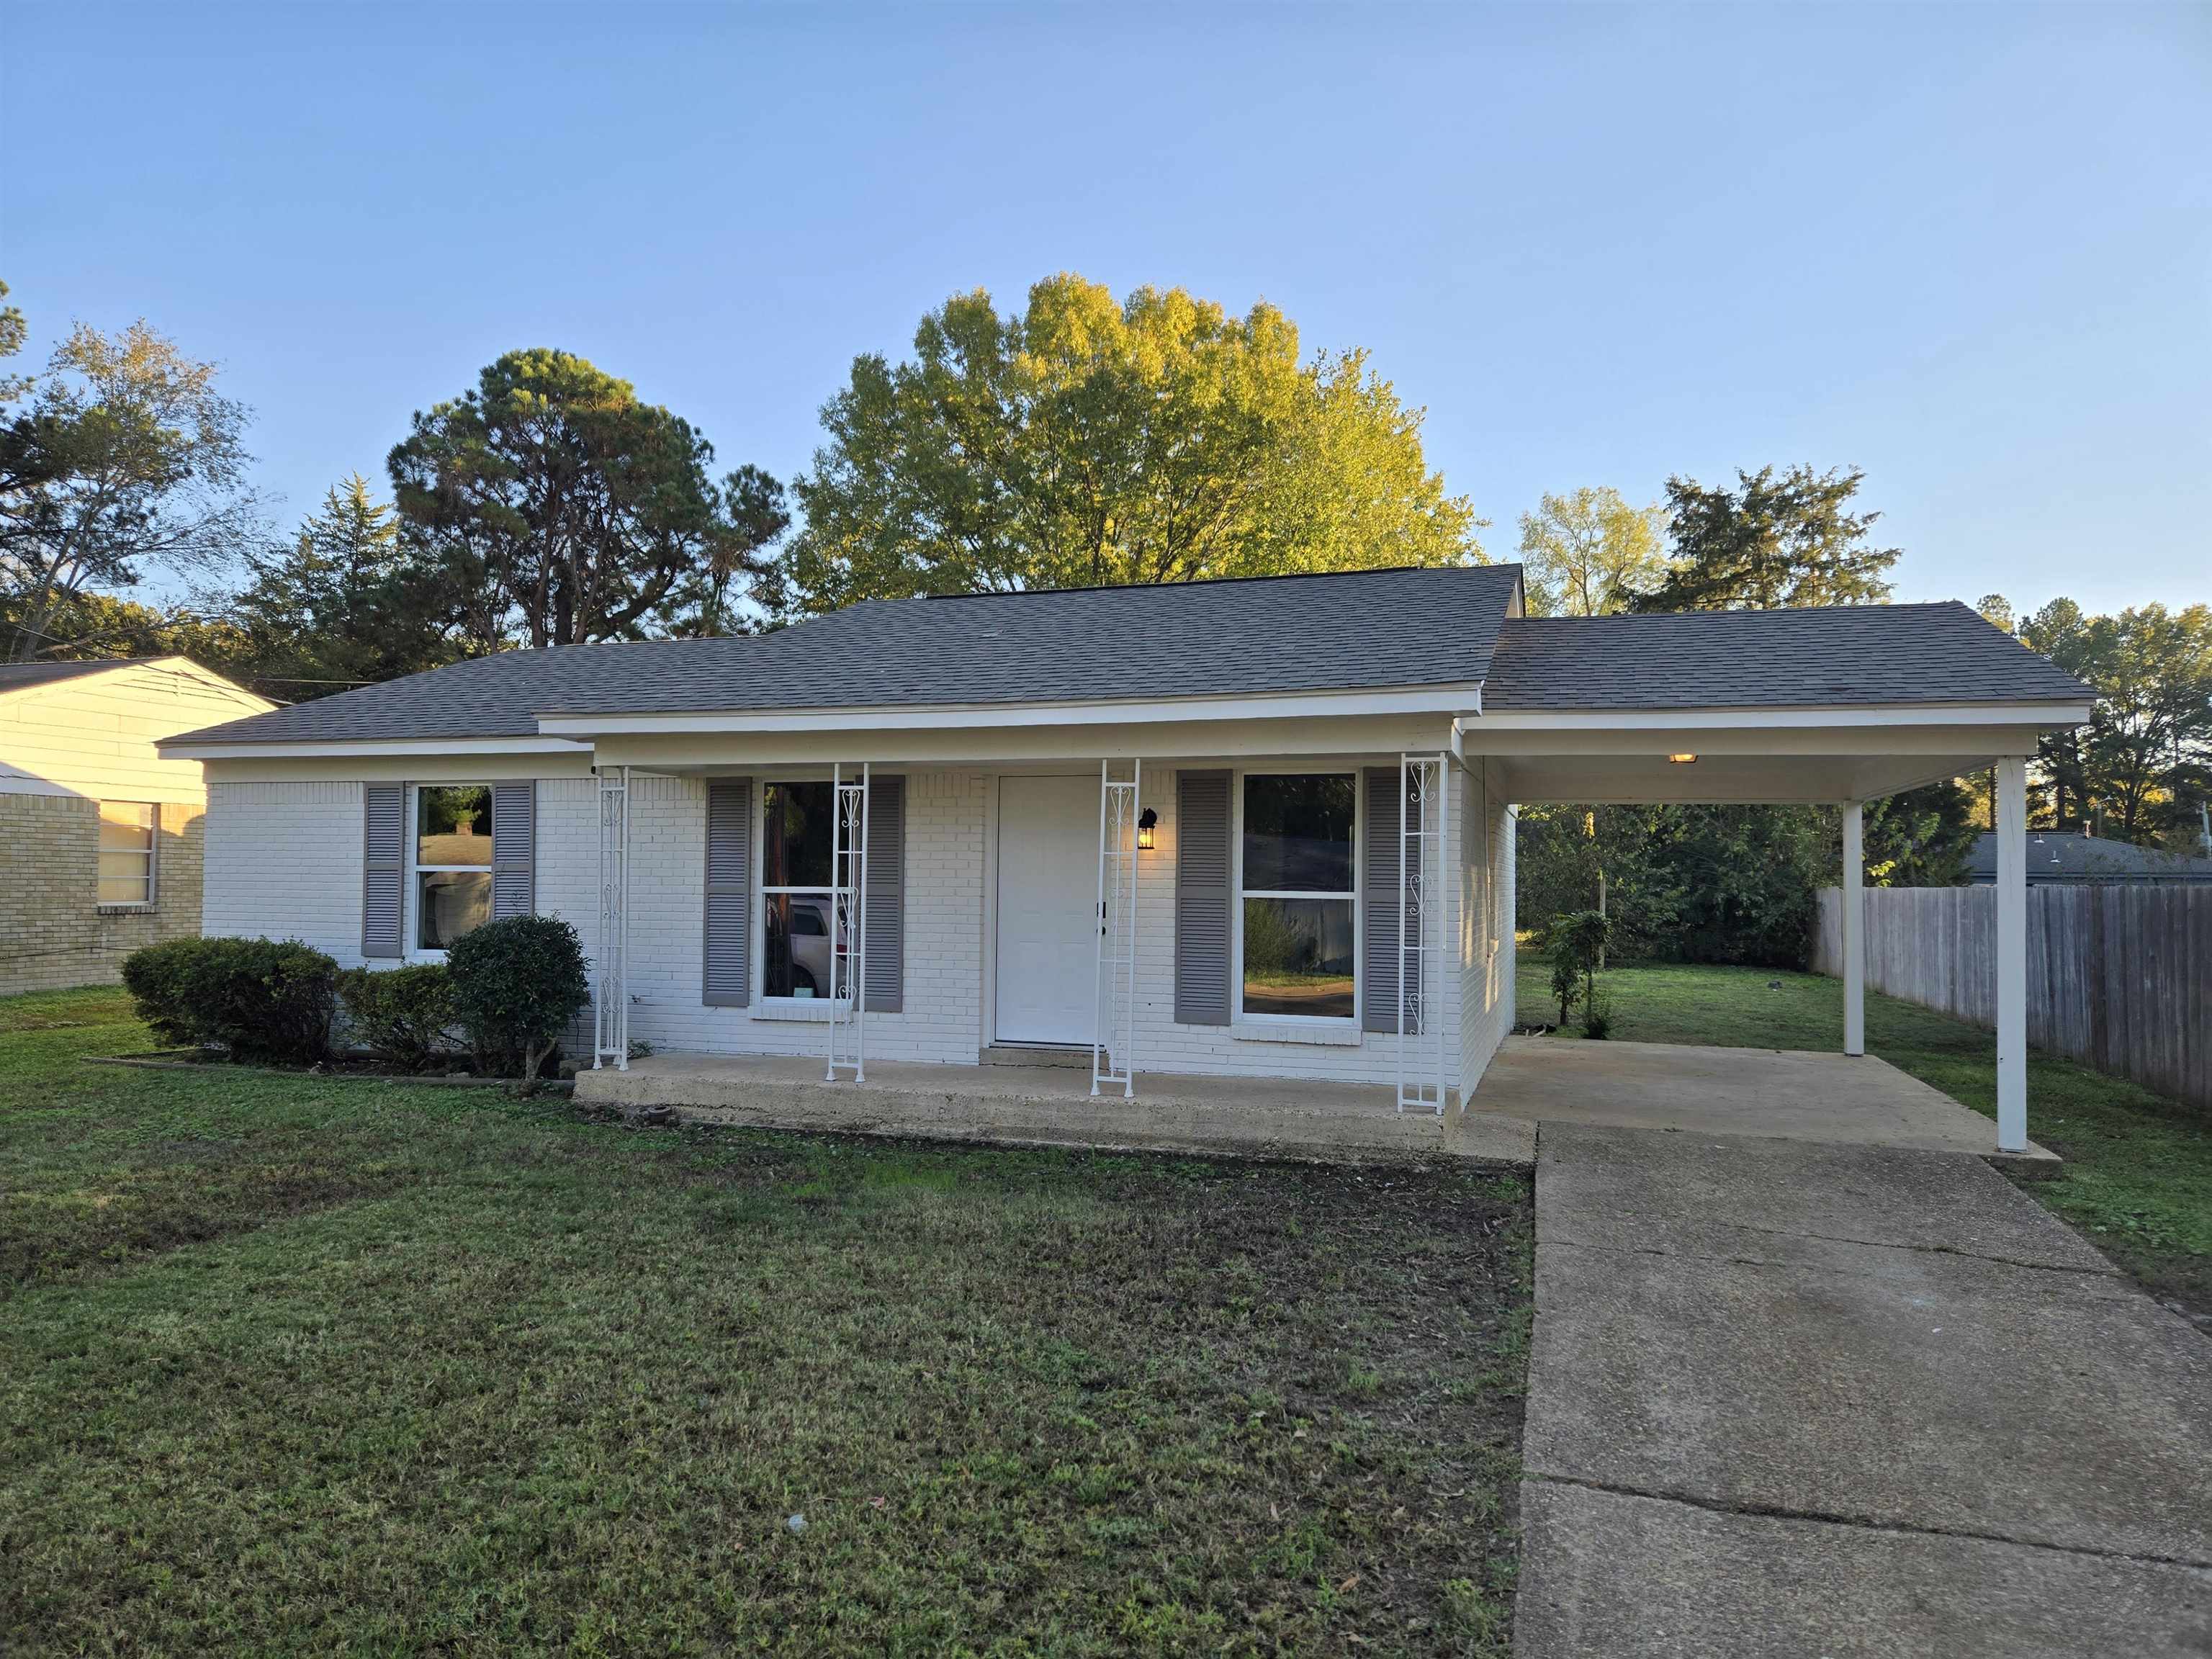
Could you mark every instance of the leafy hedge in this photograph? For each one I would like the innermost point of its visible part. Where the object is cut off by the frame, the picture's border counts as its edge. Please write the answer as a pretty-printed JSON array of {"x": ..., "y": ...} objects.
[
  {"x": 257, "y": 999},
  {"x": 516, "y": 985},
  {"x": 399, "y": 1014}
]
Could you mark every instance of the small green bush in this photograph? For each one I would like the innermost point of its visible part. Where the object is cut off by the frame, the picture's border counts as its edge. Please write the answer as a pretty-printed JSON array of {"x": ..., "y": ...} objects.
[
  {"x": 1598, "y": 1015},
  {"x": 399, "y": 1014},
  {"x": 258, "y": 999},
  {"x": 1573, "y": 945},
  {"x": 516, "y": 985}
]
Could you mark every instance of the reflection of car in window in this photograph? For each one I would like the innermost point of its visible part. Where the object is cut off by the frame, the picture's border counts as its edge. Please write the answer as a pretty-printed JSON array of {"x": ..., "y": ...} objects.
[{"x": 810, "y": 943}]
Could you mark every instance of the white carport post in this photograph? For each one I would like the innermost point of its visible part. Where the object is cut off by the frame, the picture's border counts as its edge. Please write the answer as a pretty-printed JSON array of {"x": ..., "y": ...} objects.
[
  {"x": 1853, "y": 920},
  {"x": 2012, "y": 954}
]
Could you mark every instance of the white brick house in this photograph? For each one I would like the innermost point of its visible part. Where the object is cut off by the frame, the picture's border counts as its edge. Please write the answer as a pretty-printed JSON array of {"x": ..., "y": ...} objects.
[{"x": 1245, "y": 755}]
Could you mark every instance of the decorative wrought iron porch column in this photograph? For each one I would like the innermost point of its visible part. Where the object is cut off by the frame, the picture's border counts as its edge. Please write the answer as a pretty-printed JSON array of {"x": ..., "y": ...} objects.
[
  {"x": 848, "y": 925},
  {"x": 611, "y": 970},
  {"x": 1114, "y": 1000},
  {"x": 1424, "y": 955}
]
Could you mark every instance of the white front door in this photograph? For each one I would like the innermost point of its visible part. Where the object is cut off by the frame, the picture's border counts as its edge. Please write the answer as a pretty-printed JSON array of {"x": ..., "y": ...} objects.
[{"x": 1047, "y": 905}]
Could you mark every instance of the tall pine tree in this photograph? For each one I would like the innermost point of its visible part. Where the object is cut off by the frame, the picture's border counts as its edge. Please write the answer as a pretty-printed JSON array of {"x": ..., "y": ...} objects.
[{"x": 1790, "y": 540}]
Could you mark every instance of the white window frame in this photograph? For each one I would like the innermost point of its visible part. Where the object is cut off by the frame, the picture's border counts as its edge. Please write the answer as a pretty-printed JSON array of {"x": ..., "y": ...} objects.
[
  {"x": 417, "y": 950},
  {"x": 153, "y": 855},
  {"x": 1237, "y": 1014},
  {"x": 784, "y": 1007}
]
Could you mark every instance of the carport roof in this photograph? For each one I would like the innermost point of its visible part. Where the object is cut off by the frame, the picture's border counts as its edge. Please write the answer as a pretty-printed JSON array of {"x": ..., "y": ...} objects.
[{"x": 1856, "y": 656}]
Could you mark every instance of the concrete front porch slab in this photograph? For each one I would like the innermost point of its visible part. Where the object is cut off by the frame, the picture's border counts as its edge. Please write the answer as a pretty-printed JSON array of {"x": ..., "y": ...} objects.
[
  {"x": 1855, "y": 1100},
  {"x": 1252, "y": 1117}
]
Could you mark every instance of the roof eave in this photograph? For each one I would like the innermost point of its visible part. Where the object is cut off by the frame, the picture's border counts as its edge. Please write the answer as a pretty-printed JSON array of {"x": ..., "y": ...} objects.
[{"x": 1459, "y": 698}]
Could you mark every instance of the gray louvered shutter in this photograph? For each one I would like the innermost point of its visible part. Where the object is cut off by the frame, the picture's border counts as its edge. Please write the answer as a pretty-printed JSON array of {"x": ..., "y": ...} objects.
[
  {"x": 886, "y": 919},
  {"x": 725, "y": 977},
  {"x": 1379, "y": 995},
  {"x": 383, "y": 868},
  {"x": 1203, "y": 898},
  {"x": 513, "y": 850}
]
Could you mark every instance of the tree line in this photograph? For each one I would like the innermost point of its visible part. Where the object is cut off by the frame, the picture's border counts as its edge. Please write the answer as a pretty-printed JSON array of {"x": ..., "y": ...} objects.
[{"x": 1076, "y": 440}]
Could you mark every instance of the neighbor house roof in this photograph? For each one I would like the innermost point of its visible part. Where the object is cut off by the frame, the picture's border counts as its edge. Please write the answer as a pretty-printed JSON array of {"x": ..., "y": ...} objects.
[
  {"x": 2070, "y": 856},
  {"x": 1861, "y": 655},
  {"x": 1257, "y": 637},
  {"x": 17, "y": 676}
]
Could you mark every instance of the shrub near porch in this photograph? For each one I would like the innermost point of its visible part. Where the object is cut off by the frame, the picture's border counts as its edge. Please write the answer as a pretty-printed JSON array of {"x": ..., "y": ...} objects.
[{"x": 303, "y": 1365}]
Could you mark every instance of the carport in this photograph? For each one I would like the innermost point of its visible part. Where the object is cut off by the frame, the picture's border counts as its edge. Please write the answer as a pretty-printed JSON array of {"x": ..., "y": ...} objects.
[{"x": 1828, "y": 706}]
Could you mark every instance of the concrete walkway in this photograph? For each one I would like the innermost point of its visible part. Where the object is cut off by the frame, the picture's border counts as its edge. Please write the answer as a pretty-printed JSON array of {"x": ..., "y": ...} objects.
[{"x": 1787, "y": 1398}]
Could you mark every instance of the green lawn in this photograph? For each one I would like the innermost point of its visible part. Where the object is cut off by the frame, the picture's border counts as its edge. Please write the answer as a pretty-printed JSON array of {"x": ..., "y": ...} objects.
[
  {"x": 2137, "y": 1178},
  {"x": 298, "y": 1366}
]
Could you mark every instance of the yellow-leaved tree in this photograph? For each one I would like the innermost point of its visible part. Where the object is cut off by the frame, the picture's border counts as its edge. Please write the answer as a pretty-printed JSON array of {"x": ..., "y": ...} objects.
[{"x": 1084, "y": 442}]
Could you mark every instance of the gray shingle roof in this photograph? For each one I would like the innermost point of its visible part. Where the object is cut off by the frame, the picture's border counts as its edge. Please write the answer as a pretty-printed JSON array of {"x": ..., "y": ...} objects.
[
  {"x": 1868, "y": 654},
  {"x": 15, "y": 676},
  {"x": 1346, "y": 631}
]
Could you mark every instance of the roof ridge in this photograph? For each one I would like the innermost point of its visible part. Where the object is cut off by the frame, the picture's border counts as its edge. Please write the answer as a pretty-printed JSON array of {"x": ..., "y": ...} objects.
[
  {"x": 1219, "y": 581},
  {"x": 1760, "y": 610}
]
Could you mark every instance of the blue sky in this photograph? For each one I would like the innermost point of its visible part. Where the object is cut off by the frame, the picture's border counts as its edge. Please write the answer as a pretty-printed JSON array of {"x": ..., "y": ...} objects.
[{"x": 1968, "y": 249}]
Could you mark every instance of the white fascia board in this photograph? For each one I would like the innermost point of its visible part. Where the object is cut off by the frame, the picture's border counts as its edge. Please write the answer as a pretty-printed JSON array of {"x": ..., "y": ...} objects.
[
  {"x": 221, "y": 751},
  {"x": 1436, "y": 700},
  {"x": 1785, "y": 719}
]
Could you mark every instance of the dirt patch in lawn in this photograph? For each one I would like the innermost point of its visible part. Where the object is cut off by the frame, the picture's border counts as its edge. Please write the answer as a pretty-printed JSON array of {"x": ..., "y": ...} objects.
[{"x": 174, "y": 1194}]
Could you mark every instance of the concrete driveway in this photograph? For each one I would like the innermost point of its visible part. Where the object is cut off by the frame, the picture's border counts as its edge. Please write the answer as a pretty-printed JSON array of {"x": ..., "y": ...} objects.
[{"x": 1787, "y": 1398}]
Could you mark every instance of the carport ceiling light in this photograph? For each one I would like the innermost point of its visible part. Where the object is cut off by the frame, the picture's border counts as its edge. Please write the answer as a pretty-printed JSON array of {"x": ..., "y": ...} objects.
[{"x": 1681, "y": 760}]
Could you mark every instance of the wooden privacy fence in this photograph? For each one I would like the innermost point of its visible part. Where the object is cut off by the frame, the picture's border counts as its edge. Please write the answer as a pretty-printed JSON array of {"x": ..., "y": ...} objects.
[{"x": 2119, "y": 977}]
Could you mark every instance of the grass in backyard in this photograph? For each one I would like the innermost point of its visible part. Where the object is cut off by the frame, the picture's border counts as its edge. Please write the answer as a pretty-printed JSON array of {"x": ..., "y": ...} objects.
[
  {"x": 298, "y": 1365},
  {"x": 2137, "y": 1177}
]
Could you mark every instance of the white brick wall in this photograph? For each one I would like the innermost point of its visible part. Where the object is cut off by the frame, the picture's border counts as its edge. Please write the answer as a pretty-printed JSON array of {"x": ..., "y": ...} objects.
[
  {"x": 1485, "y": 941},
  {"x": 284, "y": 860},
  {"x": 942, "y": 1020}
]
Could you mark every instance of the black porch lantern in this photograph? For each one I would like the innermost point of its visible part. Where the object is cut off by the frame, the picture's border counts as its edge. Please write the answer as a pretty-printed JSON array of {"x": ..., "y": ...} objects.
[{"x": 1147, "y": 821}]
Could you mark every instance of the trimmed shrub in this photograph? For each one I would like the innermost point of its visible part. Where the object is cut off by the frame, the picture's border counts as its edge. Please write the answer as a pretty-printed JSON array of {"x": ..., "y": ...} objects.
[
  {"x": 160, "y": 979},
  {"x": 516, "y": 985},
  {"x": 258, "y": 999},
  {"x": 399, "y": 1014}
]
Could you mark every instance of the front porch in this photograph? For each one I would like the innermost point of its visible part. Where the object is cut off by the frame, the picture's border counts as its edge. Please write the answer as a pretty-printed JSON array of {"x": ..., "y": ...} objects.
[
  {"x": 1053, "y": 1105},
  {"x": 1842, "y": 1100}
]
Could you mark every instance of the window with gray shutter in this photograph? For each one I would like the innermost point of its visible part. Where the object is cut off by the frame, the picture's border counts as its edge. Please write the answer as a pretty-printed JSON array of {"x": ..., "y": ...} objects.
[
  {"x": 513, "y": 850},
  {"x": 1203, "y": 881},
  {"x": 383, "y": 868},
  {"x": 885, "y": 921},
  {"x": 1379, "y": 996},
  {"x": 725, "y": 979}
]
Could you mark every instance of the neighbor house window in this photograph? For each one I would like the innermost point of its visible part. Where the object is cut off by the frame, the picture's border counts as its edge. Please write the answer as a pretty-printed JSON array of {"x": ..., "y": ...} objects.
[
  {"x": 795, "y": 890},
  {"x": 453, "y": 862},
  {"x": 126, "y": 851},
  {"x": 1300, "y": 928}
]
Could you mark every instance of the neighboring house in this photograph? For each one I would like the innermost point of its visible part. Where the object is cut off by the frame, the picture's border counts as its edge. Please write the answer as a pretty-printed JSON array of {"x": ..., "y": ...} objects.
[
  {"x": 99, "y": 836},
  {"x": 2056, "y": 856},
  {"x": 1248, "y": 828}
]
